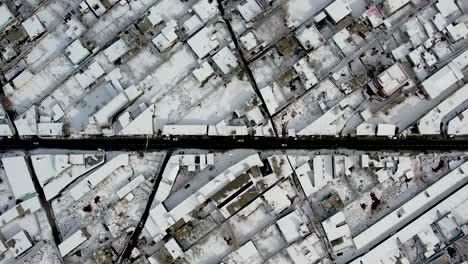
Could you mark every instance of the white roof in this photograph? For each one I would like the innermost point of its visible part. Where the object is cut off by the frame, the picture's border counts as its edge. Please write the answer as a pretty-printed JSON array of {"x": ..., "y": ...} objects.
[
  {"x": 290, "y": 226},
  {"x": 309, "y": 37},
  {"x": 365, "y": 129},
  {"x": 323, "y": 170},
  {"x": 130, "y": 186},
  {"x": 72, "y": 242},
  {"x": 412, "y": 208},
  {"x": 248, "y": 253},
  {"x": 184, "y": 130},
  {"x": 458, "y": 31},
  {"x": 93, "y": 72},
  {"x": 31, "y": 205},
  {"x": 18, "y": 176},
  {"x": 162, "y": 42},
  {"x": 226, "y": 60},
  {"x": 386, "y": 130},
  {"x": 304, "y": 174},
  {"x": 337, "y": 229},
  {"x": 277, "y": 198},
  {"x": 446, "y": 77},
  {"x": 142, "y": 124},
  {"x": 429, "y": 124},
  {"x": 97, "y": 7},
  {"x": 393, "y": 78},
  {"x": 154, "y": 17},
  {"x": 169, "y": 175},
  {"x": 446, "y": 7},
  {"x": 192, "y": 24},
  {"x": 76, "y": 52},
  {"x": 22, "y": 79},
  {"x": 5, "y": 130},
  {"x": 249, "y": 10},
  {"x": 19, "y": 243},
  {"x": 173, "y": 248},
  {"x": 206, "y": 9},
  {"x": 203, "y": 72},
  {"x": 390, "y": 246},
  {"x": 163, "y": 219},
  {"x": 106, "y": 113},
  {"x": 308, "y": 250},
  {"x": 249, "y": 40},
  {"x": 116, "y": 50},
  {"x": 338, "y": 10},
  {"x": 92, "y": 180},
  {"x": 203, "y": 42},
  {"x": 458, "y": 125},
  {"x": 392, "y": 6},
  {"x": 307, "y": 73},
  {"x": 50, "y": 129},
  {"x": 48, "y": 166},
  {"x": 33, "y": 27},
  {"x": 273, "y": 96},
  {"x": 5, "y": 15}
]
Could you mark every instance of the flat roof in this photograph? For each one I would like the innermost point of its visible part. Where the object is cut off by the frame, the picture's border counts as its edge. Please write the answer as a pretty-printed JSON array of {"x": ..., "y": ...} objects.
[
  {"x": 202, "y": 42},
  {"x": 412, "y": 208},
  {"x": 446, "y": 77},
  {"x": 338, "y": 10},
  {"x": 72, "y": 242},
  {"x": 5, "y": 15},
  {"x": 18, "y": 175},
  {"x": 92, "y": 180}
]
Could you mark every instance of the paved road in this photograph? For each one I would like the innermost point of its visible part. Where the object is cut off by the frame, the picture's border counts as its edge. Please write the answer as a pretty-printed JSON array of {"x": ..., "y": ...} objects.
[{"x": 224, "y": 143}]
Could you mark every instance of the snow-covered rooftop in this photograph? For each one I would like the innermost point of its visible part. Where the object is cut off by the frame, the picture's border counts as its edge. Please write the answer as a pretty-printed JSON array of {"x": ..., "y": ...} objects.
[
  {"x": 76, "y": 52},
  {"x": 203, "y": 42},
  {"x": 446, "y": 77},
  {"x": 412, "y": 208},
  {"x": 249, "y": 9},
  {"x": 72, "y": 242},
  {"x": 430, "y": 123},
  {"x": 226, "y": 60},
  {"x": 33, "y": 27},
  {"x": 19, "y": 243},
  {"x": 18, "y": 175},
  {"x": 206, "y": 9},
  {"x": 338, "y": 10},
  {"x": 5, "y": 15},
  {"x": 116, "y": 50}
]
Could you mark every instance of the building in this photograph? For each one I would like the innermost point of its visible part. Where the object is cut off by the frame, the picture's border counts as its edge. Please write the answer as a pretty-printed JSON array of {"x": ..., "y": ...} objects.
[
  {"x": 19, "y": 243},
  {"x": 389, "y": 81},
  {"x": 19, "y": 176},
  {"x": 430, "y": 123},
  {"x": 185, "y": 130},
  {"x": 33, "y": 27},
  {"x": 116, "y": 50},
  {"x": 338, "y": 10},
  {"x": 249, "y": 9},
  {"x": 104, "y": 116},
  {"x": 72, "y": 242},
  {"x": 160, "y": 218},
  {"x": 445, "y": 77},
  {"x": 412, "y": 208},
  {"x": 76, "y": 52},
  {"x": 386, "y": 130},
  {"x": 338, "y": 233},
  {"x": 99, "y": 175},
  {"x": 204, "y": 41},
  {"x": 6, "y": 17},
  {"x": 431, "y": 207}
]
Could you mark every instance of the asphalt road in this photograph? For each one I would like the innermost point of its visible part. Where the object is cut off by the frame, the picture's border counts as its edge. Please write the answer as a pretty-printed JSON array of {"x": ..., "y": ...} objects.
[{"x": 224, "y": 143}]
